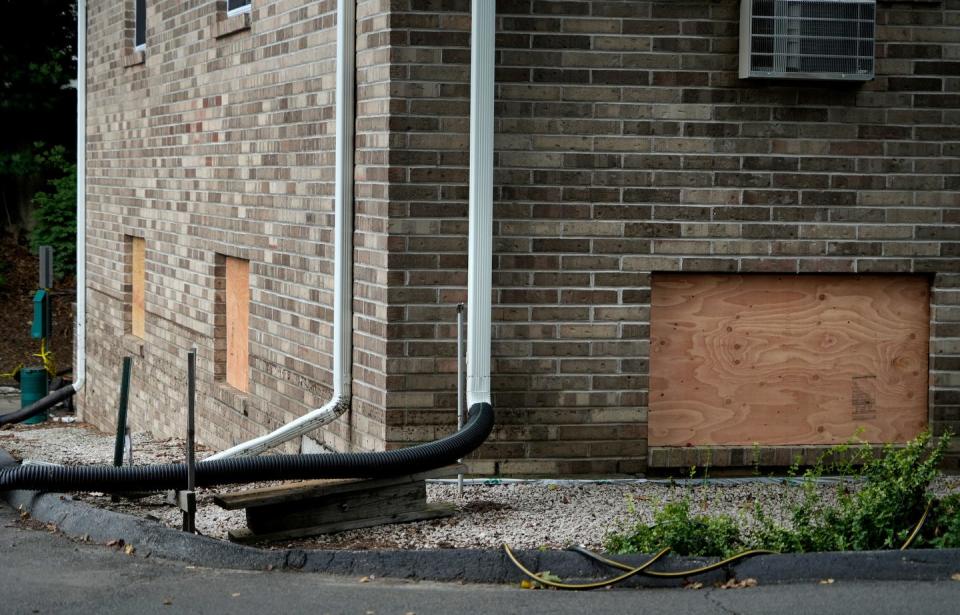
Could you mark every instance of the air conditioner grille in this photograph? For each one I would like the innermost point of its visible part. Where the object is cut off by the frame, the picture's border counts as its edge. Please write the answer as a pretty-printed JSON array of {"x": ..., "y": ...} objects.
[{"x": 819, "y": 39}]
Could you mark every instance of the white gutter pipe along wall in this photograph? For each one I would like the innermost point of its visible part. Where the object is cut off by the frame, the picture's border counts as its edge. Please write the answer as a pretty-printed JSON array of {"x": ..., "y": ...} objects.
[
  {"x": 480, "y": 248},
  {"x": 343, "y": 252},
  {"x": 80, "y": 335}
]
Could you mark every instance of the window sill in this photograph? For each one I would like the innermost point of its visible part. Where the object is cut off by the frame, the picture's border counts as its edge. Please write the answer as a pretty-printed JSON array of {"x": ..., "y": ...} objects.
[
  {"x": 134, "y": 58},
  {"x": 232, "y": 25},
  {"x": 230, "y": 396},
  {"x": 132, "y": 344}
]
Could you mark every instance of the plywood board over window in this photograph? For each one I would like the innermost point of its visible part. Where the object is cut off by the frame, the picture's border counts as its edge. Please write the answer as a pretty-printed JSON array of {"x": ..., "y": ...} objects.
[
  {"x": 787, "y": 360},
  {"x": 138, "y": 287},
  {"x": 238, "y": 322}
]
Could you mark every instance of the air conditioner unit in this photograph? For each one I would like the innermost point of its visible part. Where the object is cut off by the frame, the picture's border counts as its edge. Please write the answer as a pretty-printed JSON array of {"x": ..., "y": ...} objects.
[{"x": 807, "y": 39}]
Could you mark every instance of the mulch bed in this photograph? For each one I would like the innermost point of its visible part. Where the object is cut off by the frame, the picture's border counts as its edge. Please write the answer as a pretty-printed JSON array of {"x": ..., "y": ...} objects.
[{"x": 19, "y": 269}]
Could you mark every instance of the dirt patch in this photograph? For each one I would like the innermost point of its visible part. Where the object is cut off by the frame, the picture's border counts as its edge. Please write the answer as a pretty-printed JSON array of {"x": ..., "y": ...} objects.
[{"x": 18, "y": 267}]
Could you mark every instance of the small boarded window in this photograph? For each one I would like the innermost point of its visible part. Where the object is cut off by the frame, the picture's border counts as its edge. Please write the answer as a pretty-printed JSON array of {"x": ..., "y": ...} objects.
[
  {"x": 138, "y": 287},
  {"x": 238, "y": 322},
  {"x": 737, "y": 360}
]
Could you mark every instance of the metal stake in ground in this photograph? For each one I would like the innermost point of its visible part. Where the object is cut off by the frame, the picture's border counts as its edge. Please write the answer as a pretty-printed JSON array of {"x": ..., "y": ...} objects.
[
  {"x": 119, "y": 443},
  {"x": 122, "y": 412},
  {"x": 188, "y": 498},
  {"x": 461, "y": 385}
]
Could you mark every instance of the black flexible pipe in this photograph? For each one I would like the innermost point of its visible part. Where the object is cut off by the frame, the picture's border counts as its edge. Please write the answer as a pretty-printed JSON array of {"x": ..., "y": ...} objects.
[
  {"x": 397, "y": 462},
  {"x": 41, "y": 405}
]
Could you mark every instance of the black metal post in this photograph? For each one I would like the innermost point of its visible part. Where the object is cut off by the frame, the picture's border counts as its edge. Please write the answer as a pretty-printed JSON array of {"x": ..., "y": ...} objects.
[
  {"x": 122, "y": 412},
  {"x": 461, "y": 384},
  {"x": 188, "y": 500}
]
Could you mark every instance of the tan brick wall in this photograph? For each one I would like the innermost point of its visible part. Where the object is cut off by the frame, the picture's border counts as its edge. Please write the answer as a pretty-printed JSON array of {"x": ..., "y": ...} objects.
[
  {"x": 625, "y": 145},
  {"x": 220, "y": 142}
]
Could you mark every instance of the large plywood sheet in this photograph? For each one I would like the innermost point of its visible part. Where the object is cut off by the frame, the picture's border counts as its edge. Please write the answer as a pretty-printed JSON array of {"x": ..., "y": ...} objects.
[
  {"x": 238, "y": 322},
  {"x": 787, "y": 360},
  {"x": 137, "y": 308}
]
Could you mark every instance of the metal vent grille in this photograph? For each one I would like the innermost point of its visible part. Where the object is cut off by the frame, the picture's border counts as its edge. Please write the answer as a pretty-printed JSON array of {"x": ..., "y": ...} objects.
[{"x": 807, "y": 39}]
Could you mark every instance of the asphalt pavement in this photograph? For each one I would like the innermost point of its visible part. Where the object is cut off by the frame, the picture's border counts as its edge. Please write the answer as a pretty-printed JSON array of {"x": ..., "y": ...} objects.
[{"x": 42, "y": 571}]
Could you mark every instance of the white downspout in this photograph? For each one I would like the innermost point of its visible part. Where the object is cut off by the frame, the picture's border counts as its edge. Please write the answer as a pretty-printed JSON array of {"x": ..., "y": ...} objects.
[
  {"x": 343, "y": 252},
  {"x": 80, "y": 335},
  {"x": 479, "y": 268}
]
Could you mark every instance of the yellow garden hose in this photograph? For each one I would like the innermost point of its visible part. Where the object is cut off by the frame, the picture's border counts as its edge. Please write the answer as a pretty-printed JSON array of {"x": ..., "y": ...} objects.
[
  {"x": 916, "y": 530},
  {"x": 674, "y": 573},
  {"x": 631, "y": 571}
]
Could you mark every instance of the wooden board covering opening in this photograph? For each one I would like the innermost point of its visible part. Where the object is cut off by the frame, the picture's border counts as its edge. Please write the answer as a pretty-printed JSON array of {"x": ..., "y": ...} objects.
[
  {"x": 238, "y": 322},
  {"x": 787, "y": 360},
  {"x": 138, "y": 286}
]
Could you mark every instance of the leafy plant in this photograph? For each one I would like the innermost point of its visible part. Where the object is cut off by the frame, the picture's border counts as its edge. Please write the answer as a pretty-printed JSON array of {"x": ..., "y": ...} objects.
[
  {"x": 876, "y": 506},
  {"x": 944, "y": 531},
  {"x": 56, "y": 221},
  {"x": 684, "y": 533},
  {"x": 878, "y": 512}
]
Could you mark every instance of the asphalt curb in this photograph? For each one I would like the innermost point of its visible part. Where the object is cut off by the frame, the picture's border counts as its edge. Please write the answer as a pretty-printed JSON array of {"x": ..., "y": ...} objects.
[{"x": 81, "y": 520}]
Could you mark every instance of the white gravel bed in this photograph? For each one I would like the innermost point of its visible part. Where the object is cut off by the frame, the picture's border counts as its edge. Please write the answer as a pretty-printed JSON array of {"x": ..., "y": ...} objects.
[{"x": 522, "y": 514}]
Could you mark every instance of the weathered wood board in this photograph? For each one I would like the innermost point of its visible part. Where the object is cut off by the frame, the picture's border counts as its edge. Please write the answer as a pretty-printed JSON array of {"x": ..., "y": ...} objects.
[
  {"x": 238, "y": 322},
  {"x": 427, "y": 511},
  {"x": 787, "y": 360},
  {"x": 137, "y": 287},
  {"x": 317, "y": 507},
  {"x": 313, "y": 489}
]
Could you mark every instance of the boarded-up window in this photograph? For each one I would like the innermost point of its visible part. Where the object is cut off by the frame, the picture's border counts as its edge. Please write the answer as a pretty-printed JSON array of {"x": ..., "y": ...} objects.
[
  {"x": 787, "y": 360},
  {"x": 238, "y": 322},
  {"x": 138, "y": 287}
]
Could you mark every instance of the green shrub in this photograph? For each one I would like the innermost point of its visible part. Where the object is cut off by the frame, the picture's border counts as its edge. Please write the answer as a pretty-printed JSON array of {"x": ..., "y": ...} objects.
[
  {"x": 674, "y": 527},
  {"x": 877, "y": 512},
  {"x": 55, "y": 220},
  {"x": 943, "y": 530},
  {"x": 877, "y": 508}
]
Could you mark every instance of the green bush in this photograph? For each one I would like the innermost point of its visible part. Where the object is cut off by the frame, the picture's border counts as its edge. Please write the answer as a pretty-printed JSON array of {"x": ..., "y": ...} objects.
[
  {"x": 877, "y": 508},
  {"x": 877, "y": 512},
  {"x": 943, "y": 531},
  {"x": 674, "y": 527},
  {"x": 55, "y": 220}
]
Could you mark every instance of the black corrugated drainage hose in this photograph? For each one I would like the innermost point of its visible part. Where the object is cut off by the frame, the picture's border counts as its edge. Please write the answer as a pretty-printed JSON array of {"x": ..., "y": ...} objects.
[
  {"x": 109, "y": 479},
  {"x": 41, "y": 405}
]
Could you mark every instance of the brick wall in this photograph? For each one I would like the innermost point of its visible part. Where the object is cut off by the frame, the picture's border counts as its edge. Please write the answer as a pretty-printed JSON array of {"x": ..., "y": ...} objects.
[
  {"x": 627, "y": 145},
  {"x": 218, "y": 141}
]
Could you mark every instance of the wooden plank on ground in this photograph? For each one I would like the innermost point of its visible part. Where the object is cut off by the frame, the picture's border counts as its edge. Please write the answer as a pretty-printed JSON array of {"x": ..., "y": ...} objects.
[
  {"x": 317, "y": 488},
  {"x": 428, "y": 511},
  {"x": 787, "y": 360},
  {"x": 336, "y": 508}
]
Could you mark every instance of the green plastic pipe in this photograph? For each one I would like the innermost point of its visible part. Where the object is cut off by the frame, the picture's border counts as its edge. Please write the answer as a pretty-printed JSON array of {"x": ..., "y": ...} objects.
[{"x": 33, "y": 386}]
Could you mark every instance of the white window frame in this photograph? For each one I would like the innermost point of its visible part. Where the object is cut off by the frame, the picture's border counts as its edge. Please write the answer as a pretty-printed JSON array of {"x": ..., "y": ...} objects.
[
  {"x": 142, "y": 46},
  {"x": 240, "y": 9}
]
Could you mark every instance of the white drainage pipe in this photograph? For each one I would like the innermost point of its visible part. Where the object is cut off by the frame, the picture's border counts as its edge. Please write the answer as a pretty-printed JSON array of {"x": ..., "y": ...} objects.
[
  {"x": 80, "y": 335},
  {"x": 480, "y": 248},
  {"x": 343, "y": 253}
]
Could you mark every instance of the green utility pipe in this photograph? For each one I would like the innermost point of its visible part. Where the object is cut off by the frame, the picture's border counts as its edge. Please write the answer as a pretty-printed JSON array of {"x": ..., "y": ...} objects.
[
  {"x": 122, "y": 413},
  {"x": 33, "y": 386}
]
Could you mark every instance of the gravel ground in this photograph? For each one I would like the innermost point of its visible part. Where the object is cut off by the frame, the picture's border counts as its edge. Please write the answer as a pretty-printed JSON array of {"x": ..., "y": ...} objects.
[{"x": 522, "y": 514}]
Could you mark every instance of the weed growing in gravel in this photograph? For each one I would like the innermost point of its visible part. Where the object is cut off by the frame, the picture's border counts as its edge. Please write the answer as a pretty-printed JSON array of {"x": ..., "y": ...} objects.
[
  {"x": 876, "y": 506},
  {"x": 685, "y": 533}
]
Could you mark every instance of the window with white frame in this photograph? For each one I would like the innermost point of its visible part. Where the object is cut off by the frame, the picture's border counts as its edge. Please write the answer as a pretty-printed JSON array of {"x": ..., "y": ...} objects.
[
  {"x": 140, "y": 25},
  {"x": 235, "y": 7}
]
